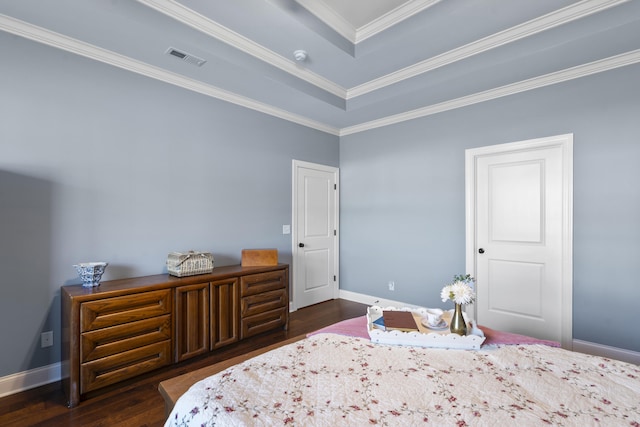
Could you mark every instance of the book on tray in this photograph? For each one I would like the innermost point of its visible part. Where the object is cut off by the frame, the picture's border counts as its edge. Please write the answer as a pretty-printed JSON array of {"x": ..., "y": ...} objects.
[{"x": 399, "y": 321}]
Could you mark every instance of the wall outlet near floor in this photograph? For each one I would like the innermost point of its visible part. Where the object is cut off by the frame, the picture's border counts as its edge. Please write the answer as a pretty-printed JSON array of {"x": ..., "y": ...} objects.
[
  {"x": 46, "y": 339},
  {"x": 392, "y": 285}
]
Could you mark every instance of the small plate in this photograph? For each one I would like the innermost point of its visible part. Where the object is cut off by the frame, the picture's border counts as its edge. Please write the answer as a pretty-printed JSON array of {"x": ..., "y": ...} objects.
[{"x": 440, "y": 326}]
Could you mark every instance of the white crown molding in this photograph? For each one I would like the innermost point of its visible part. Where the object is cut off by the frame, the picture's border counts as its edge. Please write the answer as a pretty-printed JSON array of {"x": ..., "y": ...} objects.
[
  {"x": 357, "y": 35},
  {"x": 50, "y": 38},
  {"x": 572, "y": 73},
  {"x": 211, "y": 28},
  {"x": 331, "y": 18},
  {"x": 551, "y": 20},
  {"x": 392, "y": 18}
]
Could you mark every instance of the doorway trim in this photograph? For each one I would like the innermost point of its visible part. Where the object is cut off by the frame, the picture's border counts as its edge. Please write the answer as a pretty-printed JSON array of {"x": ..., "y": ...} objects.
[
  {"x": 565, "y": 142},
  {"x": 296, "y": 165}
]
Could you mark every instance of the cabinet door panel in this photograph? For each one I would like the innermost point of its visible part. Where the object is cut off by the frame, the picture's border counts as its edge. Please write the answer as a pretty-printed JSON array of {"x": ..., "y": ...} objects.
[
  {"x": 224, "y": 312},
  {"x": 192, "y": 320}
]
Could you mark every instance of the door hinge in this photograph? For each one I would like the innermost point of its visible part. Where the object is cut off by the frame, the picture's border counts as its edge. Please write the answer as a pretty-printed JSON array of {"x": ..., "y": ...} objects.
[
  {"x": 334, "y": 278},
  {"x": 335, "y": 233},
  {"x": 335, "y": 186}
]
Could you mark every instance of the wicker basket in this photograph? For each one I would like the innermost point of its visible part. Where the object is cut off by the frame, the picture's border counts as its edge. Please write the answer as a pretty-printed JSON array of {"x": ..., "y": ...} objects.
[{"x": 182, "y": 264}]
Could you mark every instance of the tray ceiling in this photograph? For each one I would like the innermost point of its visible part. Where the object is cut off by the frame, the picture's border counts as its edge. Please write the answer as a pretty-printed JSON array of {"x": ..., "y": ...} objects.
[{"x": 370, "y": 63}]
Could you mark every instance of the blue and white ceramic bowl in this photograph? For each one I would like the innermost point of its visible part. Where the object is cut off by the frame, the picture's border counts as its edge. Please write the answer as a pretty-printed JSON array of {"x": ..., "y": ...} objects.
[{"x": 90, "y": 272}]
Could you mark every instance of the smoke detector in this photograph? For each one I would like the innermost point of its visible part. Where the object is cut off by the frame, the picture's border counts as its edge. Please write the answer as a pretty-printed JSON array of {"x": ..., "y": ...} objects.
[
  {"x": 300, "y": 55},
  {"x": 186, "y": 57}
]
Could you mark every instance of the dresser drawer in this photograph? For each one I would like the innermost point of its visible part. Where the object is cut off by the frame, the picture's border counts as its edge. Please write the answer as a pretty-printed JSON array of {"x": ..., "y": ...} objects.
[
  {"x": 112, "y": 369},
  {"x": 119, "y": 310},
  {"x": 117, "y": 339},
  {"x": 263, "y": 322},
  {"x": 262, "y": 282},
  {"x": 259, "y": 303}
]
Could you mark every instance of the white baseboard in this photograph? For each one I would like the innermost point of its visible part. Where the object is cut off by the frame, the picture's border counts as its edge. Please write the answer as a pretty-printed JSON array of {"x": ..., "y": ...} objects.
[
  {"x": 607, "y": 351},
  {"x": 32, "y": 378},
  {"x": 369, "y": 300},
  {"x": 578, "y": 345}
]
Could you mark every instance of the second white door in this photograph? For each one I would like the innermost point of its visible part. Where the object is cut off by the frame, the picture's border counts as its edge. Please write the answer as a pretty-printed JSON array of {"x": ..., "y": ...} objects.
[
  {"x": 315, "y": 237},
  {"x": 521, "y": 243}
]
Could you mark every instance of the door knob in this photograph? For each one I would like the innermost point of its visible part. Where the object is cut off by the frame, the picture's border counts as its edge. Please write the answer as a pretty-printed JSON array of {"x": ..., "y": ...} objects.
[
  {"x": 301, "y": 245},
  {"x": 480, "y": 251}
]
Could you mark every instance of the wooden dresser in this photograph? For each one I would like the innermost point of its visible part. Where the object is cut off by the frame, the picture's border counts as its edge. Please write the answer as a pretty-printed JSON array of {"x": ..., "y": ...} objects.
[{"x": 124, "y": 328}]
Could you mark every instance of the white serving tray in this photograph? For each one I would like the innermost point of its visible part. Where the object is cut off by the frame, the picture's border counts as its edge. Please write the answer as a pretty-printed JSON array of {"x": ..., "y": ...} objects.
[{"x": 424, "y": 337}]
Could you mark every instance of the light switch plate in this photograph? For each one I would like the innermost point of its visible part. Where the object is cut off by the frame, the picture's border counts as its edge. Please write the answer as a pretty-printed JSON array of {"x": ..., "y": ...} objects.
[{"x": 286, "y": 229}]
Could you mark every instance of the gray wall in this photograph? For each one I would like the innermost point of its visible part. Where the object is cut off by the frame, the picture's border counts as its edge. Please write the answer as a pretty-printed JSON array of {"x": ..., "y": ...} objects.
[
  {"x": 402, "y": 197},
  {"x": 99, "y": 164}
]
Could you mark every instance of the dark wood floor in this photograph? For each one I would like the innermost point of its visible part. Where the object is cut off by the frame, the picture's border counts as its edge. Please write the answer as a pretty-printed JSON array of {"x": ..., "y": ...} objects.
[{"x": 138, "y": 402}]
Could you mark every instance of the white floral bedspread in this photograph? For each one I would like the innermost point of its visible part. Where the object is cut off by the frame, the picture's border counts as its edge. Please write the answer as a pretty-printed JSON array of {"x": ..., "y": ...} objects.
[{"x": 333, "y": 380}]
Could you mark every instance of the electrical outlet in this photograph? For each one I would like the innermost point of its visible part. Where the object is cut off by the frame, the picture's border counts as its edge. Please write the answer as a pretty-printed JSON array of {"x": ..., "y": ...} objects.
[
  {"x": 46, "y": 339},
  {"x": 392, "y": 285}
]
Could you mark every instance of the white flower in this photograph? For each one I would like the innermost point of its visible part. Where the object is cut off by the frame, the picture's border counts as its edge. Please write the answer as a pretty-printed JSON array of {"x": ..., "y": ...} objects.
[{"x": 460, "y": 291}]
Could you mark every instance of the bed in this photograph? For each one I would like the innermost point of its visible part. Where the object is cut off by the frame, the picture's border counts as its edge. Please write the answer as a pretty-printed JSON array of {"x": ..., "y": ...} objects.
[{"x": 338, "y": 377}]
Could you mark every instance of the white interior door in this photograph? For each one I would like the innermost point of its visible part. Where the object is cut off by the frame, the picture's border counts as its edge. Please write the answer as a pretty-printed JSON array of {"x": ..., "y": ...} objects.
[
  {"x": 522, "y": 237},
  {"x": 315, "y": 234}
]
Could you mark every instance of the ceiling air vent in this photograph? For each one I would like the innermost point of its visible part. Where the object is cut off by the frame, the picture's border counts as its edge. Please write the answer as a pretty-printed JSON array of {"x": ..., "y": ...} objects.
[{"x": 187, "y": 57}]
